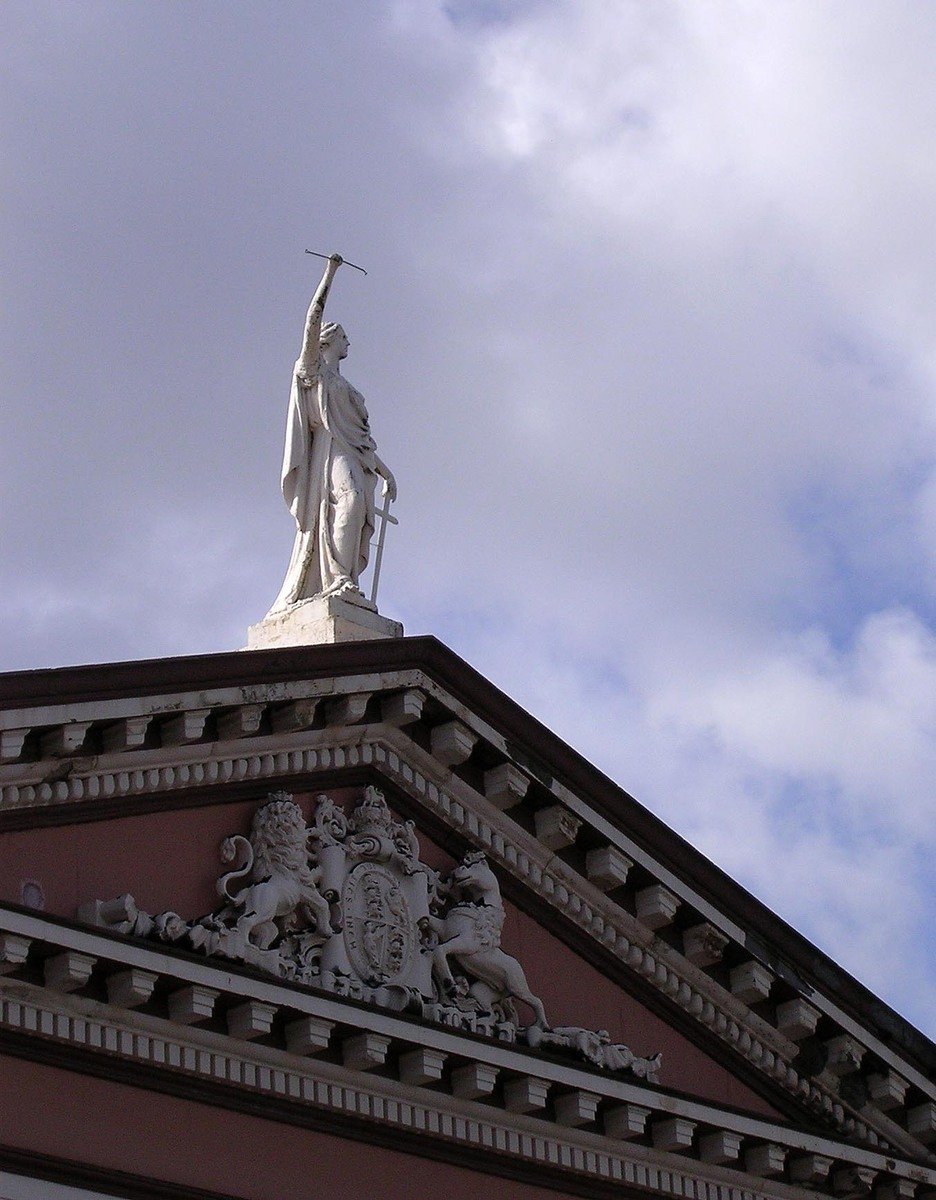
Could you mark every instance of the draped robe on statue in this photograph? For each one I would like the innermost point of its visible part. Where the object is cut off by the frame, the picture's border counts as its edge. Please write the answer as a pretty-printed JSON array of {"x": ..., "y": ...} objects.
[{"x": 329, "y": 477}]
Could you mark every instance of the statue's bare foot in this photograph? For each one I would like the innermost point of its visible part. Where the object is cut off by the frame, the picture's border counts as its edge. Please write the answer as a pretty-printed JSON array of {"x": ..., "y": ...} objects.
[
  {"x": 352, "y": 594},
  {"x": 343, "y": 587}
]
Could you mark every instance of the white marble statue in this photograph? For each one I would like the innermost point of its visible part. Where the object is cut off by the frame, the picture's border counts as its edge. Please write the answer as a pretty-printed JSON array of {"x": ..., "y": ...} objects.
[{"x": 330, "y": 467}]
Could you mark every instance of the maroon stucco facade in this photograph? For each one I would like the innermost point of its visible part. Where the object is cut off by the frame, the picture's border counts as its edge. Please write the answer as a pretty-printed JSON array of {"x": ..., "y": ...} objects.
[{"x": 51, "y": 1113}]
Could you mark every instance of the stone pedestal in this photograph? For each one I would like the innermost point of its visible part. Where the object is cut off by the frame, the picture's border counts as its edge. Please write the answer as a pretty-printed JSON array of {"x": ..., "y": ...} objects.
[{"x": 324, "y": 619}]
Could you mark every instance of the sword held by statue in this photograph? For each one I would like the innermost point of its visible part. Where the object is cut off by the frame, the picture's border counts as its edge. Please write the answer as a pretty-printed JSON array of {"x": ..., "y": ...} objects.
[
  {"x": 344, "y": 261},
  {"x": 384, "y": 514}
]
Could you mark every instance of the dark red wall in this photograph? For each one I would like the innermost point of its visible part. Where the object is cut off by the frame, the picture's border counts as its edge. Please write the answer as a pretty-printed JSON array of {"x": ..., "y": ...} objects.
[{"x": 115, "y": 1127}]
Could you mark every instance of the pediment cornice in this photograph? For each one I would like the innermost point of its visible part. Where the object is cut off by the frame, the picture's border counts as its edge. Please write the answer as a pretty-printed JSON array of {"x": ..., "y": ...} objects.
[
  {"x": 227, "y": 1035},
  {"x": 464, "y": 773}
]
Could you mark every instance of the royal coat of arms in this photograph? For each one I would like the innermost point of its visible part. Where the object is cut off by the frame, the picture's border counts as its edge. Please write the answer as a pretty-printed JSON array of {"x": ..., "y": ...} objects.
[{"x": 345, "y": 903}]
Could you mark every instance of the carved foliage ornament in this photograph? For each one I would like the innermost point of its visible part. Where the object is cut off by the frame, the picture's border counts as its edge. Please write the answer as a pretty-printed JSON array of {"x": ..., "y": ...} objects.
[{"x": 345, "y": 904}]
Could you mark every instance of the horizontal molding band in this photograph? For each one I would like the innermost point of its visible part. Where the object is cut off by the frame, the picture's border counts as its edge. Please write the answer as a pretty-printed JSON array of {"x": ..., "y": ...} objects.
[
  {"x": 28, "y": 1007},
  {"x": 367, "y": 1100},
  {"x": 256, "y": 758}
]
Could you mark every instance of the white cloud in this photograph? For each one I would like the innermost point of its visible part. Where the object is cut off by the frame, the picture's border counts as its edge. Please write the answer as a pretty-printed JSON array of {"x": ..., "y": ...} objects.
[
  {"x": 647, "y": 339},
  {"x": 807, "y": 777},
  {"x": 863, "y": 720},
  {"x": 721, "y": 432}
]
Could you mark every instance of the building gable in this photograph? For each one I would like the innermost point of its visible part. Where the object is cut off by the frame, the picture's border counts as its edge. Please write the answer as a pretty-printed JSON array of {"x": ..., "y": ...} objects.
[{"x": 598, "y": 894}]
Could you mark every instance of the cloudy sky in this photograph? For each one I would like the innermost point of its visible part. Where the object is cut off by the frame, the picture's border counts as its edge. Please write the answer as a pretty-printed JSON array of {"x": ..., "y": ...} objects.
[{"x": 648, "y": 338}]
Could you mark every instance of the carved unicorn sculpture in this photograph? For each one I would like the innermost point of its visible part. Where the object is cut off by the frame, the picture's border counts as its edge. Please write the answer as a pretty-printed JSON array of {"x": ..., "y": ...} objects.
[{"x": 470, "y": 932}]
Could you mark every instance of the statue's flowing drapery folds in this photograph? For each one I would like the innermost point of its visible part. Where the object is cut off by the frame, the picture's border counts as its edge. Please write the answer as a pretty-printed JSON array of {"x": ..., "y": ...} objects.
[
  {"x": 328, "y": 479},
  {"x": 330, "y": 467}
]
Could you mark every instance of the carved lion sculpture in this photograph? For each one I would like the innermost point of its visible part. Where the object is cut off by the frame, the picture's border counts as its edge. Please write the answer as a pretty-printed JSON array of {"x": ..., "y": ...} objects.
[{"x": 281, "y": 884}]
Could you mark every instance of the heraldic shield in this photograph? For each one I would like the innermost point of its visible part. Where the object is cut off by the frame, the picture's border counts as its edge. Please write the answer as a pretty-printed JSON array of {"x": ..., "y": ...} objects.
[{"x": 370, "y": 865}]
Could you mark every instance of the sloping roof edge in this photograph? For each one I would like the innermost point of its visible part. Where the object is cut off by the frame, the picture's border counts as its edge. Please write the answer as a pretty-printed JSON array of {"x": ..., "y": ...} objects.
[{"x": 542, "y": 751}]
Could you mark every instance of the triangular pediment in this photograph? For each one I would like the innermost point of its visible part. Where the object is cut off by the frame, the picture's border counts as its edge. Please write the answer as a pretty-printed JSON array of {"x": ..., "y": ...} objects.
[{"x": 128, "y": 779}]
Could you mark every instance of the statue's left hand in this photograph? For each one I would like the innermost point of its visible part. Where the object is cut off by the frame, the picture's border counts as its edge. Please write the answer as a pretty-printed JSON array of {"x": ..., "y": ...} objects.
[{"x": 390, "y": 483}]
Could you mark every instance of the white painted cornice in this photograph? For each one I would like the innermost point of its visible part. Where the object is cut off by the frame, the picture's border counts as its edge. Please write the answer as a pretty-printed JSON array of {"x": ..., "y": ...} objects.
[
  {"x": 367, "y": 1063},
  {"x": 318, "y": 732}
]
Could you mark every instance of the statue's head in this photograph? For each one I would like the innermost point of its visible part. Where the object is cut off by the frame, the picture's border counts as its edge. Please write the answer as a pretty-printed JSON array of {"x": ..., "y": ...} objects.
[{"x": 334, "y": 335}]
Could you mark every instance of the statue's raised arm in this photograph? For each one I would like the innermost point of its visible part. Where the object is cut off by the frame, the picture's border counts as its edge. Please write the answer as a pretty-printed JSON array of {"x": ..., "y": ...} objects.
[{"x": 313, "y": 323}]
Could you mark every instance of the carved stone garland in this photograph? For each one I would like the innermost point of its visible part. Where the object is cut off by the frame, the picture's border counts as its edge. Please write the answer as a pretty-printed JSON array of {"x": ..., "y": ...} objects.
[{"x": 346, "y": 904}]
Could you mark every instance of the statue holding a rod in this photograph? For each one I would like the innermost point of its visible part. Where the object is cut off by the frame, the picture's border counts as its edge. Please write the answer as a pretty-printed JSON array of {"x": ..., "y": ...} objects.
[{"x": 330, "y": 467}]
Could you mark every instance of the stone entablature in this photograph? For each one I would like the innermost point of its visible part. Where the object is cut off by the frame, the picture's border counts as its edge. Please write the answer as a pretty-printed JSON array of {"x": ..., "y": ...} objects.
[
  {"x": 103, "y": 751},
  {"x": 344, "y": 903},
  {"x": 202, "y": 1022}
]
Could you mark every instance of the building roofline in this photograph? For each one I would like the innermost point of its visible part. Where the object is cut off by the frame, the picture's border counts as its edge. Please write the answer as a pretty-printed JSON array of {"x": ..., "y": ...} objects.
[{"x": 548, "y": 755}]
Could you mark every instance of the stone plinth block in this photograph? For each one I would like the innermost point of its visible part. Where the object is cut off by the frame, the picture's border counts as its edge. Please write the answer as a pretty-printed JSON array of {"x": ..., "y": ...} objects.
[
  {"x": 294, "y": 716},
  {"x": 751, "y": 982},
  {"x": 186, "y": 727},
  {"x": 921, "y": 1121},
  {"x": 308, "y": 1035},
  {"x": 556, "y": 827},
  {"x": 64, "y": 739},
  {"x": 576, "y": 1108},
  {"x": 131, "y": 988},
  {"x": 722, "y": 1146},
  {"x": 765, "y": 1160},
  {"x": 252, "y": 1019},
  {"x": 525, "y": 1094},
  {"x": 853, "y": 1183},
  {"x": 505, "y": 785},
  {"x": 452, "y": 743},
  {"x": 703, "y": 944},
  {"x": 607, "y": 867},
  {"x": 13, "y": 952},
  {"x": 241, "y": 721},
  {"x": 404, "y": 708},
  {"x": 626, "y": 1121},
  {"x": 346, "y": 710},
  {"x": 324, "y": 619},
  {"x": 674, "y": 1134},
  {"x": 473, "y": 1080},
  {"x": 421, "y": 1066},
  {"x": 68, "y": 971},
  {"x": 126, "y": 734},
  {"x": 845, "y": 1054},
  {"x": 365, "y": 1051},
  {"x": 797, "y": 1019},
  {"x": 887, "y": 1090},
  {"x": 896, "y": 1189},
  {"x": 656, "y": 906},
  {"x": 192, "y": 1004},
  {"x": 11, "y": 743},
  {"x": 810, "y": 1169}
]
